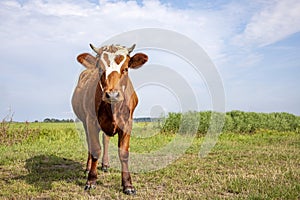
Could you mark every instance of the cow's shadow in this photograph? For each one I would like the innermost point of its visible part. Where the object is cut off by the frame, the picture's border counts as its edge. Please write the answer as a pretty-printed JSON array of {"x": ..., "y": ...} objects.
[{"x": 46, "y": 169}]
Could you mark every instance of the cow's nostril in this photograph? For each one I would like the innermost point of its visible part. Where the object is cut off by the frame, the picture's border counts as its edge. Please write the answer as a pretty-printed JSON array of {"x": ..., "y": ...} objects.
[{"x": 107, "y": 95}]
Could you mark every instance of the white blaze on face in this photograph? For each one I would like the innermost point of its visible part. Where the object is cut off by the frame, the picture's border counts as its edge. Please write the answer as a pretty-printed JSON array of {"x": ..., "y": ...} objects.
[{"x": 112, "y": 65}]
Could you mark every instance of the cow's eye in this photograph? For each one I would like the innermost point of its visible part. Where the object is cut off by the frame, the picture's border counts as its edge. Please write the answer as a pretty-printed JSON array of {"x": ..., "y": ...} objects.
[{"x": 125, "y": 70}]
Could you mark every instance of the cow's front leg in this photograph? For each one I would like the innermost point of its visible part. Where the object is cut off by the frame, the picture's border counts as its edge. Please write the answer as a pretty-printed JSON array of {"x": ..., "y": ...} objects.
[
  {"x": 94, "y": 153},
  {"x": 88, "y": 164},
  {"x": 105, "y": 159},
  {"x": 89, "y": 159},
  {"x": 123, "y": 145},
  {"x": 92, "y": 176}
]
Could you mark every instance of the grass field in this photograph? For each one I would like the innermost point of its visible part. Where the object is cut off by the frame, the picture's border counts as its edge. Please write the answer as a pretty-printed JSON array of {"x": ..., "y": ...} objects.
[{"x": 46, "y": 161}]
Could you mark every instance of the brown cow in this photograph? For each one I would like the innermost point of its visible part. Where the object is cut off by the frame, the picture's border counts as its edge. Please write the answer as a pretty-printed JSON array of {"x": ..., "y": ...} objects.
[{"x": 104, "y": 99}]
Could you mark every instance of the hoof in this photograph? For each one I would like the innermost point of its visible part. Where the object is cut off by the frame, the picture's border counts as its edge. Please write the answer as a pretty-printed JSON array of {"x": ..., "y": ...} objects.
[
  {"x": 129, "y": 191},
  {"x": 104, "y": 168},
  {"x": 90, "y": 185}
]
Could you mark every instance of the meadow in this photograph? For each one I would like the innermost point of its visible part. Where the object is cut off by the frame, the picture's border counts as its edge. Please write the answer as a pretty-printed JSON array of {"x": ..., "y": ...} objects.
[{"x": 47, "y": 161}]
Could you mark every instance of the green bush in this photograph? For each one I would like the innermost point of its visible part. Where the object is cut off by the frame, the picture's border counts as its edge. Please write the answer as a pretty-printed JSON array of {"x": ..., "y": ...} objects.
[
  {"x": 234, "y": 121},
  {"x": 172, "y": 123}
]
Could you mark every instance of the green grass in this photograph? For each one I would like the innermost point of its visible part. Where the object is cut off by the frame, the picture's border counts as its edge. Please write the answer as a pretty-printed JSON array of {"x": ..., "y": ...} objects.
[{"x": 49, "y": 164}]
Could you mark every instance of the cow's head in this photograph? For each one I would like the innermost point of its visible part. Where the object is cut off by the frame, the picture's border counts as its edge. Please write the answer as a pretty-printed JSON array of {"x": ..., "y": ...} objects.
[{"x": 113, "y": 62}]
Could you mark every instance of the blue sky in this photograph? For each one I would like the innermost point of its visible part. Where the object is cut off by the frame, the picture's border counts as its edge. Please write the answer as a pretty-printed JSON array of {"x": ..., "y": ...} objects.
[{"x": 254, "y": 45}]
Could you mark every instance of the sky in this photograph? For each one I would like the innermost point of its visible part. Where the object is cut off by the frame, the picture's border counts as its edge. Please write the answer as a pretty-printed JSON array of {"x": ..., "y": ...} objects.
[{"x": 254, "y": 45}]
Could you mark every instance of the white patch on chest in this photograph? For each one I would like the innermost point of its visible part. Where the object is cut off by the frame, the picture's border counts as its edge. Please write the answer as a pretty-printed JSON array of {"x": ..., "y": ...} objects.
[{"x": 113, "y": 66}]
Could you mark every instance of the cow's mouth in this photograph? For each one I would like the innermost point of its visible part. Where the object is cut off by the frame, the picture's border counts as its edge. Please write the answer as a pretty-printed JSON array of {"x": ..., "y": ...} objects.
[{"x": 113, "y": 101}]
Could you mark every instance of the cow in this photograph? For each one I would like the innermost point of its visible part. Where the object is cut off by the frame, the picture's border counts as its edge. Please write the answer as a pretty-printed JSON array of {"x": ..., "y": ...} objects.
[{"x": 104, "y": 99}]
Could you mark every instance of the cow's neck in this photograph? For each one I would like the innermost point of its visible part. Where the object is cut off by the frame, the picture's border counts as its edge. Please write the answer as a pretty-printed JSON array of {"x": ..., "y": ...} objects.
[
  {"x": 119, "y": 115},
  {"x": 116, "y": 110}
]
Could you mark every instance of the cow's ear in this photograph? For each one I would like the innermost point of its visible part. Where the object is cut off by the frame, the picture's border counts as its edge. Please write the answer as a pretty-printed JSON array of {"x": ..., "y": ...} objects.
[
  {"x": 87, "y": 60},
  {"x": 137, "y": 60}
]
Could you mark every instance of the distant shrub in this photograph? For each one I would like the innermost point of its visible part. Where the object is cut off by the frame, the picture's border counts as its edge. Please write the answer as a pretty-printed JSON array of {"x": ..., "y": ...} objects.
[
  {"x": 13, "y": 133},
  {"x": 234, "y": 121},
  {"x": 249, "y": 122},
  {"x": 171, "y": 124}
]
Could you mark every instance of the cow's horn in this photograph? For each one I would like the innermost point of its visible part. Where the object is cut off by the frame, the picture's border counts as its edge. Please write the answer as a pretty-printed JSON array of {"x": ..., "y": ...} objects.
[
  {"x": 97, "y": 50},
  {"x": 131, "y": 48}
]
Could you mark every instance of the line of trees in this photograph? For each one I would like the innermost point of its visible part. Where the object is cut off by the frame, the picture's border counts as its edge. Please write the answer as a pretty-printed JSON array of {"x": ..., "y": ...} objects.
[{"x": 48, "y": 120}]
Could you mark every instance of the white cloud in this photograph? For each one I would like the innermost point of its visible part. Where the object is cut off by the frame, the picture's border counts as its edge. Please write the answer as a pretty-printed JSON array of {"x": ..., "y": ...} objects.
[
  {"x": 278, "y": 20},
  {"x": 65, "y": 21}
]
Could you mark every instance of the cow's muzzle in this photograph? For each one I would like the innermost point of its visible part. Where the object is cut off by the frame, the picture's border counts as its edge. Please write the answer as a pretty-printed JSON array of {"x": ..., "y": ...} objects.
[{"x": 113, "y": 96}]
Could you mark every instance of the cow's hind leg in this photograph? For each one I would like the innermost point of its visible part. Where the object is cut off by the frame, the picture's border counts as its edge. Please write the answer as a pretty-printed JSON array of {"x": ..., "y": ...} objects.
[{"x": 94, "y": 152}]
